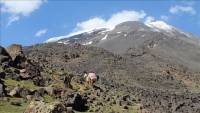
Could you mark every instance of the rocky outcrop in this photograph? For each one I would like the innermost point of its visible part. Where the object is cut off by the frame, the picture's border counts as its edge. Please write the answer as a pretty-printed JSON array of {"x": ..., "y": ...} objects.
[
  {"x": 19, "y": 92},
  {"x": 77, "y": 102},
  {"x": 2, "y": 89},
  {"x": 14, "y": 50},
  {"x": 5, "y": 58},
  {"x": 19, "y": 59}
]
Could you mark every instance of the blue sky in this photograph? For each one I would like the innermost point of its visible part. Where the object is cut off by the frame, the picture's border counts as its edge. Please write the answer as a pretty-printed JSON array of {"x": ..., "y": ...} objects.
[{"x": 36, "y": 21}]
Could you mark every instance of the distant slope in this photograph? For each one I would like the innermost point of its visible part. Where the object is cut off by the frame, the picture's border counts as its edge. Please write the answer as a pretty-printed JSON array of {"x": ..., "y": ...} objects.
[{"x": 157, "y": 38}]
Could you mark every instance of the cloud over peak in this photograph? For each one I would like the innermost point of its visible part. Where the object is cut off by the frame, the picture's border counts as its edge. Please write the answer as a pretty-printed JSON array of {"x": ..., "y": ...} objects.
[
  {"x": 117, "y": 18},
  {"x": 99, "y": 22}
]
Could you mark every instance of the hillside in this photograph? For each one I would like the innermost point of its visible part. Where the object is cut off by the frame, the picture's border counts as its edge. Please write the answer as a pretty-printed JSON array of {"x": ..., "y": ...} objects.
[{"x": 142, "y": 68}]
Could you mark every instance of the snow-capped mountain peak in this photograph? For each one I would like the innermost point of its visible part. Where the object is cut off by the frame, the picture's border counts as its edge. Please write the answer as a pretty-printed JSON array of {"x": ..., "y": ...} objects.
[
  {"x": 160, "y": 25},
  {"x": 126, "y": 29},
  {"x": 100, "y": 30}
]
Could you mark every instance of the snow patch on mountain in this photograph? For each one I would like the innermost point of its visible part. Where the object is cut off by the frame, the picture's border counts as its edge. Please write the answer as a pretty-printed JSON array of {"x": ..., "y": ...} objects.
[
  {"x": 63, "y": 42},
  {"x": 54, "y": 39},
  {"x": 88, "y": 43},
  {"x": 105, "y": 37},
  {"x": 160, "y": 25}
]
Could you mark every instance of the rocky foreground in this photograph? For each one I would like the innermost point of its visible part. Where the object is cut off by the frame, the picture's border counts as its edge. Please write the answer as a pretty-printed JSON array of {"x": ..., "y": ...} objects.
[{"x": 32, "y": 81}]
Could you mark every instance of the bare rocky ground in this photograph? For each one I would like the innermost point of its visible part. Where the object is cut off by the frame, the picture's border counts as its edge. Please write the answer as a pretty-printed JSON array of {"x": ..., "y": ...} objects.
[{"x": 138, "y": 82}]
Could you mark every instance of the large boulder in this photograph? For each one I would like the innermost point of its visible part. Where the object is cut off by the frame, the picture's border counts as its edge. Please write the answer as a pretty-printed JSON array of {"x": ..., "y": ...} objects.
[
  {"x": 17, "y": 55},
  {"x": 30, "y": 71},
  {"x": 2, "y": 89},
  {"x": 77, "y": 102},
  {"x": 19, "y": 92},
  {"x": 5, "y": 58},
  {"x": 14, "y": 50}
]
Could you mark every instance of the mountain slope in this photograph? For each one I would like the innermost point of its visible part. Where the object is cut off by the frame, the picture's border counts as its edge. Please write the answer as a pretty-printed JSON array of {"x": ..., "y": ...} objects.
[
  {"x": 155, "y": 83},
  {"x": 157, "y": 38},
  {"x": 155, "y": 62}
]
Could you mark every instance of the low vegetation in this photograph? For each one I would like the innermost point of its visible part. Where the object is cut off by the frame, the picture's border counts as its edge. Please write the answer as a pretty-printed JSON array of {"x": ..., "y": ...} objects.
[
  {"x": 6, "y": 106},
  {"x": 10, "y": 83}
]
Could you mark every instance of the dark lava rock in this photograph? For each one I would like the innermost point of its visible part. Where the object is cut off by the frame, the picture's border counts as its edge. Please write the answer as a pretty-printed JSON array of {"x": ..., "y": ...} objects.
[
  {"x": 79, "y": 103},
  {"x": 20, "y": 61},
  {"x": 12, "y": 73},
  {"x": 5, "y": 58},
  {"x": 125, "y": 107},
  {"x": 2, "y": 75},
  {"x": 76, "y": 101},
  {"x": 39, "y": 81},
  {"x": 40, "y": 92},
  {"x": 24, "y": 92},
  {"x": 2, "y": 89}
]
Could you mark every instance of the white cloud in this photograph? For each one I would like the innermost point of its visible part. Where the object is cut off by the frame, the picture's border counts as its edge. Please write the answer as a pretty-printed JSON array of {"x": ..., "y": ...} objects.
[
  {"x": 41, "y": 32},
  {"x": 90, "y": 24},
  {"x": 125, "y": 16},
  {"x": 98, "y": 22},
  {"x": 149, "y": 19},
  {"x": 17, "y": 8},
  {"x": 110, "y": 23},
  {"x": 164, "y": 17},
  {"x": 185, "y": 9},
  {"x": 12, "y": 19}
]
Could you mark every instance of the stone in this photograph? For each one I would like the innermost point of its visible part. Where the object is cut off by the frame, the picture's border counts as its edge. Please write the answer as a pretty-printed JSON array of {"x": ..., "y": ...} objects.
[
  {"x": 19, "y": 92},
  {"x": 22, "y": 70},
  {"x": 40, "y": 92},
  {"x": 125, "y": 107},
  {"x": 14, "y": 91},
  {"x": 24, "y": 92},
  {"x": 5, "y": 58},
  {"x": 14, "y": 50},
  {"x": 39, "y": 81},
  {"x": 2, "y": 89},
  {"x": 2, "y": 75},
  {"x": 19, "y": 61},
  {"x": 69, "y": 110},
  {"x": 79, "y": 103}
]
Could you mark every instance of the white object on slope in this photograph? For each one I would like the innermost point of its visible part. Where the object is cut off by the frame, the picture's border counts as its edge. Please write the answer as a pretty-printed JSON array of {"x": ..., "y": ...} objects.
[
  {"x": 63, "y": 42},
  {"x": 105, "y": 37},
  {"x": 54, "y": 39},
  {"x": 88, "y": 43}
]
